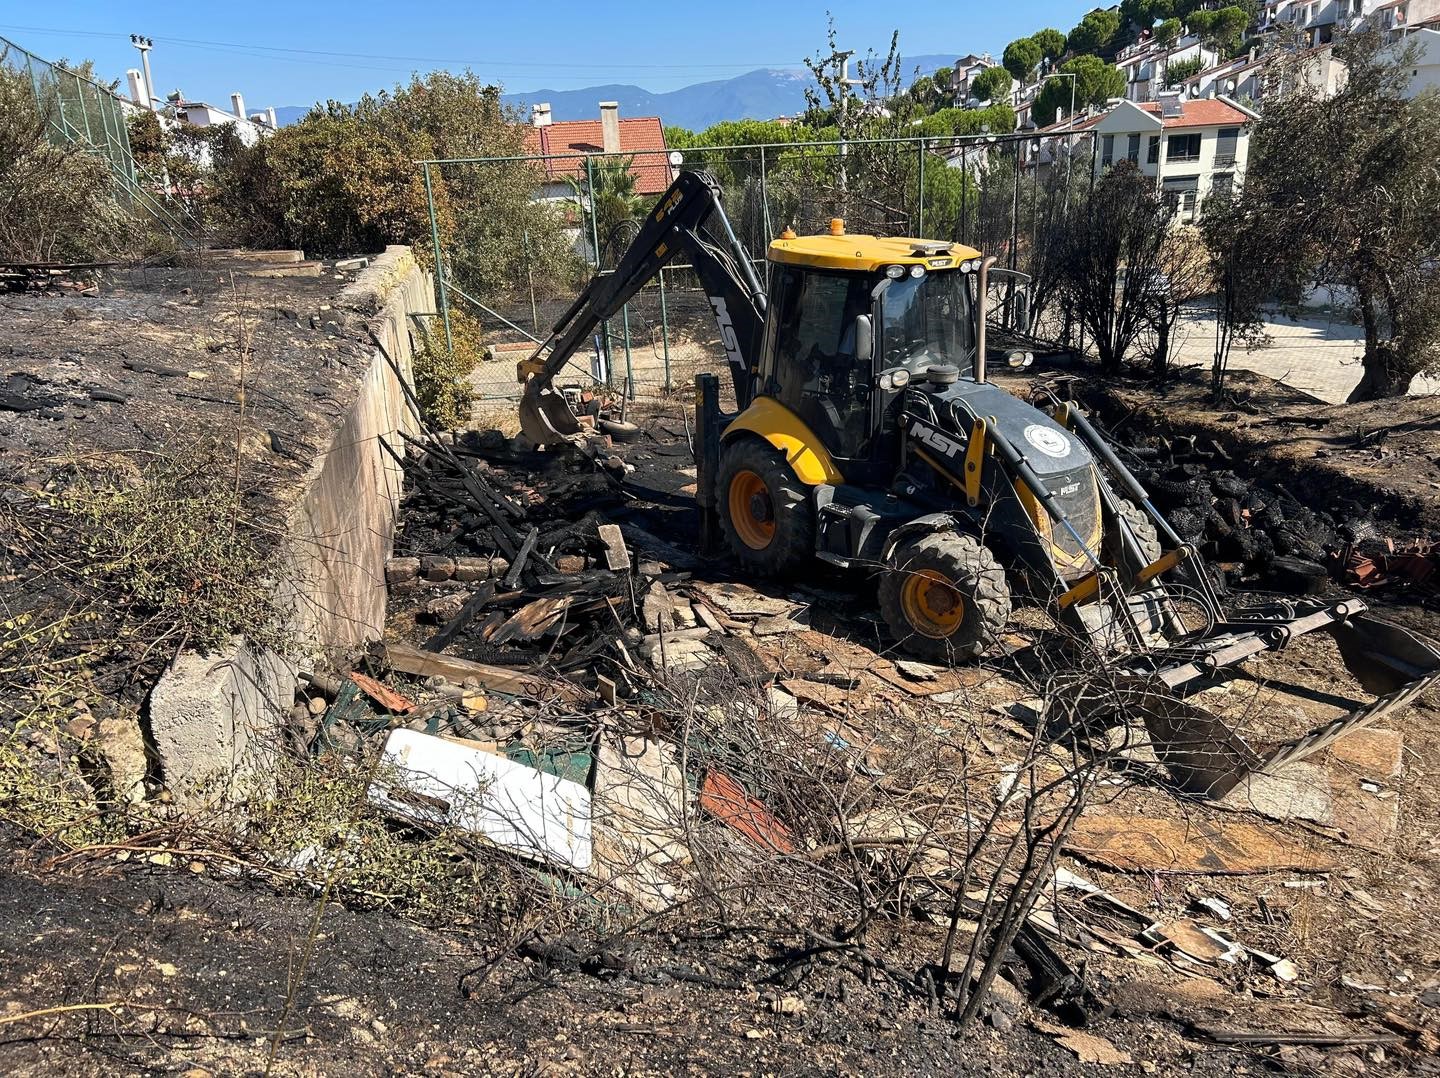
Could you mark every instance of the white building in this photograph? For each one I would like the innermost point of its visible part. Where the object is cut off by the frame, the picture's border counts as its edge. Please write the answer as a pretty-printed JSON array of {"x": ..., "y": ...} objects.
[
  {"x": 1147, "y": 65},
  {"x": 1192, "y": 149},
  {"x": 964, "y": 72},
  {"x": 1424, "y": 49},
  {"x": 176, "y": 109}
]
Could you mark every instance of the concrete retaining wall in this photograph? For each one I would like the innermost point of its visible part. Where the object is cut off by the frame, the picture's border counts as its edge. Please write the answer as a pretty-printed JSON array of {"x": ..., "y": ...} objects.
[{"x": 216, "y": 720}]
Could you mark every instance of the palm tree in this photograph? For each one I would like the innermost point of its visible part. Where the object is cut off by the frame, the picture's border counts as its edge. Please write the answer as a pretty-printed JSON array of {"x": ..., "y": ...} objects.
[{"x": 615, "y": 202}]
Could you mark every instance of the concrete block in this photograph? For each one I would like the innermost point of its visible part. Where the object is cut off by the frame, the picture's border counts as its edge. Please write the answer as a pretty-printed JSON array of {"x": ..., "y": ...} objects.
[
  {"x": 437, "y": 568},
  {"x": 469, "y": 570},
  {"x": 216, "y": 720}
]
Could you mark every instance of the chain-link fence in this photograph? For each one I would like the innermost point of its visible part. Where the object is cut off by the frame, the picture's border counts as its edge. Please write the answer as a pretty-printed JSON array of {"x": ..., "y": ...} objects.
[
  {"x": 78, "y": 110},
  {"x": 984, "y": 191}
]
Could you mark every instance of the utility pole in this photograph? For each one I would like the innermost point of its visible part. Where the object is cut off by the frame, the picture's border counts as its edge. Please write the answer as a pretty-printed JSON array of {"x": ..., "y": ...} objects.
[
  {"x": 845, "y": 83},
  {"x": 145, "y": 44}
]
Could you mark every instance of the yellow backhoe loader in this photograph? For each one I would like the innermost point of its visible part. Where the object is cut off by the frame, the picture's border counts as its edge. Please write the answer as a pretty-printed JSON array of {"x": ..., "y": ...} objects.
[{"x": 868, "y": 436}]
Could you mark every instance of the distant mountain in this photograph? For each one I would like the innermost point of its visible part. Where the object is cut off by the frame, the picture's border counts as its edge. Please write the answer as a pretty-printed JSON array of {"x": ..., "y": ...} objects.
[{"x": 757, "y": 95}]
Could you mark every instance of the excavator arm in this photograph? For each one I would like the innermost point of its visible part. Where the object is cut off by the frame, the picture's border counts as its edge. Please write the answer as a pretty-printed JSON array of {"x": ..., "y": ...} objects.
[{"x": 682, "y": 222}]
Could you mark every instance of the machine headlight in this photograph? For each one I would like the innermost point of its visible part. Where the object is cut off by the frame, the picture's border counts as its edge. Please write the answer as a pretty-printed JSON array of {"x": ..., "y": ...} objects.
[
  {"x": 894, "y": 272},
  {"x": 897, "y": 378},
  {"x": 970, "y": 265},
  {"x": 917, "y": 271}
]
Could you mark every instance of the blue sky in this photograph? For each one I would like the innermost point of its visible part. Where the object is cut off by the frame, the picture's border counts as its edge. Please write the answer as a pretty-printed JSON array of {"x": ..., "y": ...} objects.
[{"x": 298, "y": 52}]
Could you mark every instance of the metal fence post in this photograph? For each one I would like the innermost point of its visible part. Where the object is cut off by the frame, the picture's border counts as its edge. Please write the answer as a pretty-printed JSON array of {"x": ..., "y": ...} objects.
[
  {"x": 84, "y": 112},
  {"x": 595, "y": 238},
  {"x": 439, "y": 261},
  {"x": 629, "y": 369},
  {"x": 920, "y": 226},
  {"x": 664, "y": 328},
  {"x": 769, "y": 228},
  {"x": 964, "y": 192}
]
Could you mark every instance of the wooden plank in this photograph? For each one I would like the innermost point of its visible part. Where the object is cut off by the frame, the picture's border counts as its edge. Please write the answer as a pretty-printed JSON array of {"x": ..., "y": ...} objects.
[{"x": 506, "y": 679}]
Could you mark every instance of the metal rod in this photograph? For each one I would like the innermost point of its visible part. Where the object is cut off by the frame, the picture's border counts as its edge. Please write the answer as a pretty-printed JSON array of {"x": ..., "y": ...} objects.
[
  {"x": 920, "y": 224},
  {"x": 769, "y": 228},
  {"x": 664, "y": 328},
  {"x": 629, "y": 368},
  {"x": 439, "y": 262},
  {"x": 963, "y": 139},
  {"x": 492, "y": 313}
]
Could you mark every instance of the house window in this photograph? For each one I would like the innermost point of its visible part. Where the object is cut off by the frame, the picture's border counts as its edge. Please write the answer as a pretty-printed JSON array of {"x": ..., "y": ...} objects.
[
  {"x": 1183, "y": 148},
  {"x": 1107, "y": 151},
  {"x": 1180, "y": 196},
  {"x": 1152, "y": 151},
  {"x": 1132, "y": 151},
  {"x": 1225, "y": 145},
  {"x": 1223, "y": 185}
]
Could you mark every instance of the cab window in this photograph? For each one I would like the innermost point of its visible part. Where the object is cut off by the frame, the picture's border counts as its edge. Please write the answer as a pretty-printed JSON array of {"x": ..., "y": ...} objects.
[{"x": 816, "y": 374}]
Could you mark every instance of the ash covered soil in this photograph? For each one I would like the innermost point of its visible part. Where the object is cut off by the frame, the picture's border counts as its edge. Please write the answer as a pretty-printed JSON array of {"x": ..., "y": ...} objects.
[
  {"x": 204, "y": 969},
  {"x": 167, "y": 359}
]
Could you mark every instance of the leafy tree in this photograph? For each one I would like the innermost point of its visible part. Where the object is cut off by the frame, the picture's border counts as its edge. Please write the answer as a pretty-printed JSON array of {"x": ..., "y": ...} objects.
[
  {"x": 1181, "y": 70},
  {"x": 1095, "y": 32},
  {"x": 992, "y": 84},
  {"x": 1051, "y": 43},
  {"x": 1021, "y": 58},
  {"x": 942, "y": 78},
  {"x": 343, "y": 180},
  {"x": 925, "y": 93},
  {"x": 56, "y": 201},
  {"x": 613, "y": 200},
  {"x": 1095, "y": 83},
  {"x": 1142, "y": 14},
  {"x": 1167, "y": 33},
  {"x": 1219, "y": 30},
  {"x": 1349, "y": 182}
]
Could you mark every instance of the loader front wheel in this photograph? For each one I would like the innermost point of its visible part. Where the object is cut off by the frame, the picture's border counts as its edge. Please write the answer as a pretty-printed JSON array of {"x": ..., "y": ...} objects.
[
  {"x": 765, "y": 514},
  {"x": 945, "y": 597},
  {"x": 1141, "y": 526}
]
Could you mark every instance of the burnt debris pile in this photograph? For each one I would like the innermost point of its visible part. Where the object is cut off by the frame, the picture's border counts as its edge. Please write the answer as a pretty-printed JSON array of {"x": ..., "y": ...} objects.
[{"x": 1256, "y": 534}]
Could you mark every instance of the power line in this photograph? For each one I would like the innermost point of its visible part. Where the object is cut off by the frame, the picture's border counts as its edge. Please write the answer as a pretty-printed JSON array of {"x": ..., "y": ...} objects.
[{"x": 263, "y": 51}]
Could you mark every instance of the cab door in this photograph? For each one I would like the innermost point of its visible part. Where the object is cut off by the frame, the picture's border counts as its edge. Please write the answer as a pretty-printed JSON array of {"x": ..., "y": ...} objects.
[{"x": 811, "y": 362}]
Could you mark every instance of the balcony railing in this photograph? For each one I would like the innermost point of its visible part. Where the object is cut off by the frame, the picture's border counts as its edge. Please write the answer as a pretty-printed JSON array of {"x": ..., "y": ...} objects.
[{"x": 1224, "y": 160}]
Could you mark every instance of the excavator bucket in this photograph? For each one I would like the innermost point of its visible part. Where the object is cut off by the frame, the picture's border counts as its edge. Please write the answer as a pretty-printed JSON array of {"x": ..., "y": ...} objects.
[
  {"x": 1205, "y": 755},
  {"x": 1383, "y": 656},
  {"x": 545, "y": 417}
]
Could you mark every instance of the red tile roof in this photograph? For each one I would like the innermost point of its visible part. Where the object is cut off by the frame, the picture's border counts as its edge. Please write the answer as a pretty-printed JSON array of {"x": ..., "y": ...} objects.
[
  {"x": 1197, "y": 112},
  {"x": 637, "y": 135},
  {"x": 1201, "y": 112}
]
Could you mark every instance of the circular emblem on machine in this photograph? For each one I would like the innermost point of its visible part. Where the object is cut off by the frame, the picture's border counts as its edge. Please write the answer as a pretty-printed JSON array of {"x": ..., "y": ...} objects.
[{"x": 1050, "y": 442}]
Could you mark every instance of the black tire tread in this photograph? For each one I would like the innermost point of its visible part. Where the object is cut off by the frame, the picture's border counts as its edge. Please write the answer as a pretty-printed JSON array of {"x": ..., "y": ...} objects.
[
  {"x": 1143, "y": 529},
  {"x": 979, "y": 578},
  {"x": 794, "y": 543}
]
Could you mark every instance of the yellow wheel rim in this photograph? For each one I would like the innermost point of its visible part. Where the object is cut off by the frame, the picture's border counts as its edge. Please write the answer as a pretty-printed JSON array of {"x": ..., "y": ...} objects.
[
  {"x": 931, "y": 604},
  {"x": 752, "y": 513}
]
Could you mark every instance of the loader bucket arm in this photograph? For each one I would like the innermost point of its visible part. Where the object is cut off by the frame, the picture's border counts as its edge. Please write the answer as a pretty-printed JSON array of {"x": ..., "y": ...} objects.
[{"x": 675, "y": 226}]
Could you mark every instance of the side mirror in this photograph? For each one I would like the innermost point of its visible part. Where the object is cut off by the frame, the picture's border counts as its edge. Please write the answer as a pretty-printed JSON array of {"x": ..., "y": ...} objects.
[
  {"x": 1022, "y": 312},
  {"x": 864, "y": 337}
]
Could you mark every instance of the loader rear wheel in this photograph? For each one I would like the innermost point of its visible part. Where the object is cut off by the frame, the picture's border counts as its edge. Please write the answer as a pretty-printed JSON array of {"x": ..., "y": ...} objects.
[
  {"x": 1141, "y": 526},
  {"x": 765, "y": 514},
  {"x": 945, "y": 597}
]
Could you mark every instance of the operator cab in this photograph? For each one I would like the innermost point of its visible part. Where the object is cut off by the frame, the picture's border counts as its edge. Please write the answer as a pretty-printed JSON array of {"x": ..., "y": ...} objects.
[{"x": 851, "y": 321}]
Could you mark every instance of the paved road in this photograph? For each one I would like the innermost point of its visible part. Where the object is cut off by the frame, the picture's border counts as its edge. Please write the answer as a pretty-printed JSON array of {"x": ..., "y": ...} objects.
[{"x": 1319, "y": 354}]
